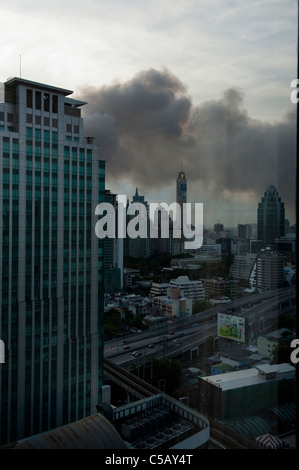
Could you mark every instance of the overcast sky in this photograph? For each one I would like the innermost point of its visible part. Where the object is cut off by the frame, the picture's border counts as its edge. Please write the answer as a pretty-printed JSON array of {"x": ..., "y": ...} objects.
[{"x": 199, "y": 83}]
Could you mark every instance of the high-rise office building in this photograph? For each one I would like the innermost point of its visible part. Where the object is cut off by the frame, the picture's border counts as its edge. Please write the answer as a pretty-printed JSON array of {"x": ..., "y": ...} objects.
[
  {"x": 181, "y": 198},
  {"x": 181, "y": 189},
  {"x": 267, "y": 273},
  {"x": 218, "y": 227},
  {"x": 244, "y": 231},
  {"x": 138, "y": 247},
  {"x": 51, "y": 278},
  {"x": 270, "y": 217},
  {"x": 113, "y": 253}
]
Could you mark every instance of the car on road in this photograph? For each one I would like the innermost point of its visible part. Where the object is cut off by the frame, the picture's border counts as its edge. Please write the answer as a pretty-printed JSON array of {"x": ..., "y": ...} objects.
[
  {"x": 127, "y": 347},
  {"x": 136, "y": 353},
  {"x": 150, "y": 346}
]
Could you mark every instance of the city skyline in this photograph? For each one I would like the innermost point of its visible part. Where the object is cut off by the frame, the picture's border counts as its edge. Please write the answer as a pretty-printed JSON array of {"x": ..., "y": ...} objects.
[
  {"x": 212, "y": 225},
  {"x": 53, "y": 268},
  {"x": 190, "y": 84}
]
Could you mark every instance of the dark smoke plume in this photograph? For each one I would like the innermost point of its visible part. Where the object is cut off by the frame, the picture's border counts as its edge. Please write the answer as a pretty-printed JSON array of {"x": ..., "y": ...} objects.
[{"x": 148, "y": 127}]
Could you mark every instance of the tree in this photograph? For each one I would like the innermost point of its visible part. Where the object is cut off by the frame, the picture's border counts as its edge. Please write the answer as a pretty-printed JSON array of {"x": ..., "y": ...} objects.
[
  {"x": 281, "y": 353},
  {"x": 202, "y": 305},
  {"x": 112, "y": 322},
  {"x": 156, "y": 370}
]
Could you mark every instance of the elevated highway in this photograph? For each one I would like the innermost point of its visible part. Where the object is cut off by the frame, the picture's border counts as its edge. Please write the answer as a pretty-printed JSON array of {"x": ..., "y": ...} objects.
[
  {"x": 139, "y": 389},
  {"x": 166, "y": 339}
]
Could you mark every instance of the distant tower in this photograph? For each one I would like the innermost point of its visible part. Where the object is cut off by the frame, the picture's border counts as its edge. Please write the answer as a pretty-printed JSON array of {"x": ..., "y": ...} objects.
[
  {"x": 218, "y": 227},
  {"x": 270, "y": 217},
  {"x": 138, "y": 247},
  {"x": 181, "y": 198},
  {"x": 181, "y": 188}
]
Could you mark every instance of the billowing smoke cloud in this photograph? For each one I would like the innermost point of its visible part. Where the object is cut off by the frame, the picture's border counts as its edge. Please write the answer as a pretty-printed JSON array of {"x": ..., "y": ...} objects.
[{"x": 148, "y": 127}]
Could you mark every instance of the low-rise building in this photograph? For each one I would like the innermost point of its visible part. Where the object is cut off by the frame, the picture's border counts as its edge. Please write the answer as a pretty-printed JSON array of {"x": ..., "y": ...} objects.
[
  {"x": 173, "y": 304},
  {"x": 129, "y": 276},
  {"x": 246, "y": 392},
  {"x": 158, "y": 288},
  {"x": 267, "y": 343},
  {"x": 227, "y": 364},
  {"x": 190, "y": 289},
  {"x": 220, "y": 286}
]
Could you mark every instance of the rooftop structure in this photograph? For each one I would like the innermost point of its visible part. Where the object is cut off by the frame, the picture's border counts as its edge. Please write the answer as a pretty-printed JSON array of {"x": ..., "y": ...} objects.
[
  {"x": 161, "y": 422},
  {"x": 247, "y": 392},
  {"x": 93, "y": 432}
]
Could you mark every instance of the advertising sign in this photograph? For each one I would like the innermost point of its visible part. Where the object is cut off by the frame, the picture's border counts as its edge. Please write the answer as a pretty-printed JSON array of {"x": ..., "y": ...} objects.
[{"x": 231, "y": 327}]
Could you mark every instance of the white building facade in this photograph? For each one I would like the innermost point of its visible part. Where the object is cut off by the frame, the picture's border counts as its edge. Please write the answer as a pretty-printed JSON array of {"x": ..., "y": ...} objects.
[{"x": 190, "y": 289}]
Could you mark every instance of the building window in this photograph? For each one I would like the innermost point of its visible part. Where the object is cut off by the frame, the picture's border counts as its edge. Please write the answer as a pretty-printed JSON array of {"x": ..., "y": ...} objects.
[
  {"x": 6, "y": 146},
  {"x": 37, "y": 135},
  {"x": 38, "y": 100},
  {"x": 46, "y": 101},
  {"x": 54, "y": 103},
  {"x": 46, "y": 136},
  {"x": 29, "y": 98}
]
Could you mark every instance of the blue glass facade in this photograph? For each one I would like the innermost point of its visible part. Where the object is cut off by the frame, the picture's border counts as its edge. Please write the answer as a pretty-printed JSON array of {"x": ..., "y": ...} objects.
[
  {"x": 270, "y": 217},
  {"x": 51, "y": 266}
]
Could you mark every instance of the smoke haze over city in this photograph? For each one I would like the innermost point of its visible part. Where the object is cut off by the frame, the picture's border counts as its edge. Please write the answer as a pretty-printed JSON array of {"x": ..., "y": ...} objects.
[
  {"x": 147, "y": 128},
  {"x": 203, "y": 85}
]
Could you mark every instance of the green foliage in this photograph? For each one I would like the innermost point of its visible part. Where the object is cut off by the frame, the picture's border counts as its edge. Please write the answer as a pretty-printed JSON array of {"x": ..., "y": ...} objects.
[
  {"x": 136, "y": 322},
  {"x": 159, "y": 370},
  {"x": 112, "y": 322},
  {"x": 288, "y": 321},
  {"x": 281, "y": 353},
  {"x": 201, "y": 306},
  {"x": 219, "y": 269},
  {"x": 152, "y": 264}
]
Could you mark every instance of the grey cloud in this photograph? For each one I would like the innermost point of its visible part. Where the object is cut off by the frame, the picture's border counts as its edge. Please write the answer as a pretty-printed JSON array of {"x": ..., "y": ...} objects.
[{"x": 148, "y": 127}]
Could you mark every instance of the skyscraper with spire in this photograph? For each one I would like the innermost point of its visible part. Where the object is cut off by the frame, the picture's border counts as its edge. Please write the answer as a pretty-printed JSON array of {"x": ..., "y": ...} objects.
[
  {"x": 181, "y": 198},
  {"x": 181, "y": 189}
]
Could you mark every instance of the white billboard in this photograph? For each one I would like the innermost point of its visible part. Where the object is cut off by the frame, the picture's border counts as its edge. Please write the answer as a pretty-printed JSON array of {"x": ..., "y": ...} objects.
[{"x": 231, "y": 327}]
